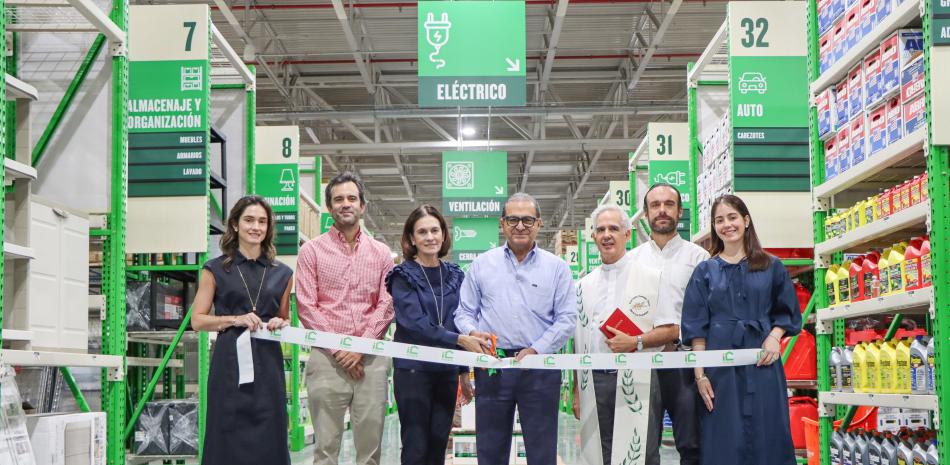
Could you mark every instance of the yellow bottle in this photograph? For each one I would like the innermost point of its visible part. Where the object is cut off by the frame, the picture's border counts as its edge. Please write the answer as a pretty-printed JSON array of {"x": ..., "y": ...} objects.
[
  {"x": 895, "y": 267},
  {"x": 844, "y": 283},
  {"x": 887, "y": 363},
  {"x": 872, "y": 367},
  {"x": 902, "y": 386},
  {"x": 831, "y": 285},
  {"x": 858, "y": 359},
  {"x": 857, "y": 215},
  {"x": 883, "y": 271},
  {"x": 870, "y": 210}
]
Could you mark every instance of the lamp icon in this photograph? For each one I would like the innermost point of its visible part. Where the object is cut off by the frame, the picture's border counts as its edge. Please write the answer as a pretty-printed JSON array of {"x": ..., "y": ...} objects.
[
  {"x": 437, "y": 34},
  {"x": 287, "y": 179}
]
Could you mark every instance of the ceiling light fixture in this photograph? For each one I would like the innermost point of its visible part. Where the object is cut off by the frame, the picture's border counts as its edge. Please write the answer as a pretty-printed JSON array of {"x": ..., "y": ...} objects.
[{"x": 468, "y": 131}]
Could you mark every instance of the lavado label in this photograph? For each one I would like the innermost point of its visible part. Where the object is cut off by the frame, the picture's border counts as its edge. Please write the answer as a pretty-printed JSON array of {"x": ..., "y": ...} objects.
[
  {"x": 474, "y": 183},
  {"x": 277, "y": 154},
  {"x": 471, "y": 53}
]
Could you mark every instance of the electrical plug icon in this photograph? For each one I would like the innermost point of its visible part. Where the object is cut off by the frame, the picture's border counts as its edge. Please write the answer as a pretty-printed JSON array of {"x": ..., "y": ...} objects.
[{"x": 437, "y": 34}]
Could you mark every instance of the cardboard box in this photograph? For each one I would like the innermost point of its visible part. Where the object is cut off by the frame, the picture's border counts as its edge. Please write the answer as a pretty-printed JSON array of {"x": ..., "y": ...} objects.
[
  {"x": 463, "y": 450},
  {"x": 859, "y": 147},
  {"x": 825, "y": 16},
  {"x": 842, "y": 105},
  {"x": 872, "y": 78},
  {"x": 831, "y": 158},
  {"x": 856, "y": 91},
  {"x": 844, "y": 149},
  {"x": 912, "y": 79},
  {"x": 869, "y": 17},
  {"x": 895, "y": 119},
  {"x": 825, "y": 52},
  {"x": 852, "y": 19},
  {"x": 915, "y": 114},
  {"x": 890, "y": 65},
  {"x": 911, "y": 43},
  {"x": 67, "y": 439},
  {"x": 884, "y": 9},
  {"x": 839, "y": 39},
  {"x": 824, "y": 102},
  {"x": 877, "y": 124}
]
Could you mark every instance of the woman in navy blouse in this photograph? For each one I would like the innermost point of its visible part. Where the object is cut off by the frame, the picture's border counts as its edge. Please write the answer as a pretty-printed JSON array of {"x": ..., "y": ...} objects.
[
  {"x": 425, "y": 293},
  {"x": 741, "y": 298}
]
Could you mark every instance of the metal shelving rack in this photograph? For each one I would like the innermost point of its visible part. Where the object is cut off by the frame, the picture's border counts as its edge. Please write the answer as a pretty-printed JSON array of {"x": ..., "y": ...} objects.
[{"x": 935, "y": 214}]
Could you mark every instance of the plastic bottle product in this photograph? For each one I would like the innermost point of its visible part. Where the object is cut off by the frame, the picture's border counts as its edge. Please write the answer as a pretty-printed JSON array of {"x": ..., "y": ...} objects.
[
  {"x": 882, "y": 268},
  {"x": 870, "y": 275},
  {"x": 870, "y": 210},
  {"x": 915, "y": 196},
  {"x": 884, "y": 204},
  {"x": 831, "y": 285},
  {"x": 861, "y": 449},
  {"x": 919, "y": 372},
  {"x": 875, "y": 448},
  {"x": 912, "y": 277},
  {"x": 847, "y": 449},
  {"x": 837, "y": 443},
  {"x": 902, "y": 371},
  {"x": 924, "y": 185},
  {"x": 919, "y": 453},
  {"x": 895, "y": 270},
  {"x": 834, "y": 368},
  {"x": 925, "y": 274},
  {"x": 858, "y": 374},
  {"x": 854, "y": 280},
  {"x": 904, "y": 192},
  {"x": 844, "y": 283},
  {"x": 857, "y": 216},
  {"x": 847, "y": 369},
  {"x": 889, "y": 448},
  {"x": 872, "y": 367},
  {"x": 931, "y": 386},
  {"x": 933, "y": 457},
  {"x": 905, "y": 453},
  {"x": 887, "y": 366}
]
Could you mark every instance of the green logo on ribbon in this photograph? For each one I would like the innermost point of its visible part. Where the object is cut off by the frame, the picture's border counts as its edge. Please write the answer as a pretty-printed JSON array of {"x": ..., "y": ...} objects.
[
  {"x": 275, "y": 333},
  {"x": 549, "y": 361},
  {"x": 448, "y": 355},
  {"x": 311, "y": 336},
  {"x": 658, "y": 359},
  {"x": 620, "y": 359},
  {"x": 482, "y": 359},
  {"x": 413, "y": 351},
  {"x": 690, "y": 358},
  {"x": 727, "y": 357},
  {"x": 379, "y": 346},
  {"x": 585, "y": 360},
  {"x": 346, "y": 342}
]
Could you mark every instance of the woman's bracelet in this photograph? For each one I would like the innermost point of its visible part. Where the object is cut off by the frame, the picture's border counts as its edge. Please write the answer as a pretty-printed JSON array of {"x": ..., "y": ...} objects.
[{"x": 702, "y": 378}]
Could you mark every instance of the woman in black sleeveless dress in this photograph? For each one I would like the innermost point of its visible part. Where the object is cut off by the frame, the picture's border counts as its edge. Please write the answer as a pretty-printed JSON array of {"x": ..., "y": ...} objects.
[{"x": 247, "y": 423}]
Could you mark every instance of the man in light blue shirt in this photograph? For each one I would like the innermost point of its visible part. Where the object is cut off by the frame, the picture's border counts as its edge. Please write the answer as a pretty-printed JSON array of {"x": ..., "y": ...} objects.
[{"x": 525, "y": 297}]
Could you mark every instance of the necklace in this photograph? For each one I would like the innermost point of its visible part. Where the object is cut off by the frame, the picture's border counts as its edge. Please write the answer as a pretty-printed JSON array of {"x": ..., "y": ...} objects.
[
  {"x": 256, "y": 299},
  {"x": 439, "y": 304}
]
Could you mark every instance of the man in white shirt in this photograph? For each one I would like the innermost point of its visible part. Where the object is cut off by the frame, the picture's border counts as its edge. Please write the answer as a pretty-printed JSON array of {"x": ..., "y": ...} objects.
[{"x": 676, "y": 257}]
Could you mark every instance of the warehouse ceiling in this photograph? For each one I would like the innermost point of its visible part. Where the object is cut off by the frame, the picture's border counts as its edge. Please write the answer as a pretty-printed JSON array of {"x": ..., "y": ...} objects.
[{"x": 598, "y": 71}]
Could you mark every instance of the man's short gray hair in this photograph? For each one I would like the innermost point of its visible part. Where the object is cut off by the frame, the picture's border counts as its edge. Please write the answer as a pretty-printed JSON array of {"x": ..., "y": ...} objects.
[
  {"x": 625, "y": 223},
  {"x": 522, "y": 197}
]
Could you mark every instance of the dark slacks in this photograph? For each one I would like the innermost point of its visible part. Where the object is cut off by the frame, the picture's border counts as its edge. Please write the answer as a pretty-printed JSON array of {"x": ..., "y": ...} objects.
[
  {"x": 535, "y": 393},
  {"x": 681, "y": 401},
  {"x": 426, "y": 401},
  {"x": 605, "y": 389}
]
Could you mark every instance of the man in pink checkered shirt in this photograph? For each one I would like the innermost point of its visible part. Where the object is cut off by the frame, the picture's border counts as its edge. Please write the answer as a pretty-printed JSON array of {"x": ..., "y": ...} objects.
[{"x": 341, "y": 289}]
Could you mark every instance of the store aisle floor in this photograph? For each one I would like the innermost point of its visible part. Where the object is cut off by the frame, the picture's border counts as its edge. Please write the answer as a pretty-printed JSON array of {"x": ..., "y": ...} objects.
[{"x": 567, "y": 446}]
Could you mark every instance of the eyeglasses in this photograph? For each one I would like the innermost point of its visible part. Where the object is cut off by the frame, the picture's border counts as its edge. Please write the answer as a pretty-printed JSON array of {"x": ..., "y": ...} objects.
[{"x": 527, "y": 221}]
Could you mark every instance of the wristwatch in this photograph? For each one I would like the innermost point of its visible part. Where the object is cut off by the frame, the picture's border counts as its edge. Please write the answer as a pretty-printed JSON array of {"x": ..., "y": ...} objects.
[{"x": 639, "y": 343}]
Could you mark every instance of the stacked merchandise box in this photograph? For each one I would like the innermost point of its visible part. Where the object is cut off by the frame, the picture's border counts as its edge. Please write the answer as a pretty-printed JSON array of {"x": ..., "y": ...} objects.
[
  {"x": 15, "y": 446},
  {"x": 167, "y": 427},
  {"x": 65, "y": 439}
]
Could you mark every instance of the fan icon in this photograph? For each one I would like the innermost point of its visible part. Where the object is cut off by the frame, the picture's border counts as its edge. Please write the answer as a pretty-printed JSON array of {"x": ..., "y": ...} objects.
[{"x": 460, "y": 175}]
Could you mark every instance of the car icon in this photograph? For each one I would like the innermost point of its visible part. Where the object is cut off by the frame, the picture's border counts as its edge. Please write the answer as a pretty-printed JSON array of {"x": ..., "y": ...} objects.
[{"x": 752, "y": 82}]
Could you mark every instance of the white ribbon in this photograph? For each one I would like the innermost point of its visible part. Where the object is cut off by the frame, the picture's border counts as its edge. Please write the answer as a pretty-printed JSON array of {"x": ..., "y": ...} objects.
[{"x": 645, "y": 361}]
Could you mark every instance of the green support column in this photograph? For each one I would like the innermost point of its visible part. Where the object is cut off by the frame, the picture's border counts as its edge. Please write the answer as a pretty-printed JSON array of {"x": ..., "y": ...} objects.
[
  {"x": 250, "y": 103},
  {"x": 113, "y": 330},
  {"x": 297, "y": 437},
  {"x": 13, "y": 70},
  {"x": 694, "y": 147},
  {"x": 939, "y": 178},
  {"x": 3, "y": 140}
]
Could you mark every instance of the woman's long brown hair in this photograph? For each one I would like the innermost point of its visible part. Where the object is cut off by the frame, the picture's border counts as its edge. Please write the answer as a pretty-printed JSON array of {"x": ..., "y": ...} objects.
[
  {"x": 229, "y": 241},
  {"x": 758, "y": 259}
]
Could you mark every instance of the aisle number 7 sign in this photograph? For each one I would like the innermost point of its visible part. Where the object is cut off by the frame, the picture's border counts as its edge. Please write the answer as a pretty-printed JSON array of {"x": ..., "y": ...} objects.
[{"x": 471, "y": 53}]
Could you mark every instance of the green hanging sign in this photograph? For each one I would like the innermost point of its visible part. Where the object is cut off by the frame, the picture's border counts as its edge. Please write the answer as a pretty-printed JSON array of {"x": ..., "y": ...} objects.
[
  {"x": 471, "y": 53},
  {"x": 474, "y": 183},
  {"x": 277, "y": 153},
  {"x": 472, "y": 236}
]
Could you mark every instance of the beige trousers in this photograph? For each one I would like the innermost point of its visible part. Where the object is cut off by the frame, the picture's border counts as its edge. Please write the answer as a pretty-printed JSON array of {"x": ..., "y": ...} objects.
[{"x": 331, "y": 392}]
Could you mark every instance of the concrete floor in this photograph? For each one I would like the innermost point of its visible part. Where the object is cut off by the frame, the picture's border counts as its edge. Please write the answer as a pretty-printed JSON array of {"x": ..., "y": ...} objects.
[{"x": 567, "y": 446}]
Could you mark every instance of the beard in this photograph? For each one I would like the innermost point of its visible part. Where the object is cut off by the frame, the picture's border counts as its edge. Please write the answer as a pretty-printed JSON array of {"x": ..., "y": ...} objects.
[{"x": 665, "y": 229}]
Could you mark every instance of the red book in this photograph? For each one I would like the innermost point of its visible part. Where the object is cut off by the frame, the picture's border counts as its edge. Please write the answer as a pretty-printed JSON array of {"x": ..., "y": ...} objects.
[{"x": 621, "y": 322}]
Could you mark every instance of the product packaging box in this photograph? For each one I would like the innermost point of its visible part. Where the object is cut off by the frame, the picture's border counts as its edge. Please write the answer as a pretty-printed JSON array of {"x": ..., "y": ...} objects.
[
  {"x": 463, "y": 450},
  {"x": 912, "y": 80},
  {"x": 890, "y": 65},
  {"x": 877, "y": 124},
  {"x": 895, "y": 119},
  {"x": 844, "y": 149},
  {"x": 825, "y": 103},
  {"x": 67, "y": 439},
  {"x": 842, "y": 105},
  {"x": 869, "y": 17},
  {"x": 825, "y": 52},
  {"x": 825, "y": 18},
  {"x": 915, "y": 114},
  {"x": 831, "y": 158},
  {"x": 852, "y": 19},
  {"x": 884, "y": 9},
  {"x": 872, "y": 78},
  {"x": 858, "y": 140},
  {"x": 856, "y": 91},
  {"x": 839, "y": 39}
]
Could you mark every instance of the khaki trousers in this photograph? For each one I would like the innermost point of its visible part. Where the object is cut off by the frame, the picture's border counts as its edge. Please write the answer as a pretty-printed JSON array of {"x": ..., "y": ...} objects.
[{"x": 331, "y": 392}]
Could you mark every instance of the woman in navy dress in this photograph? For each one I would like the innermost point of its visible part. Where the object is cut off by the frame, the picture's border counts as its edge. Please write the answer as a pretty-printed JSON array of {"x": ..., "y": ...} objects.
[
  {"x": 247, "y": 423},
  {"x": 425, "y": 293},
  {"x": 741, "y": 298}
]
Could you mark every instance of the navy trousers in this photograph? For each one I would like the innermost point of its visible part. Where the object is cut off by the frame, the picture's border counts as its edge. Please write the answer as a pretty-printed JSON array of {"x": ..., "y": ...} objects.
[
  {"x": 426, "y": 401},
  {"x": 535, "y": 393}
]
